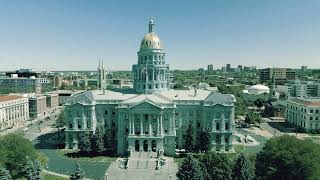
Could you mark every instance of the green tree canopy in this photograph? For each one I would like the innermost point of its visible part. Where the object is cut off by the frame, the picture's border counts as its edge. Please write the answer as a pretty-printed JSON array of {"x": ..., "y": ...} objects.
[
  {"x": 189, "y": 145},
  {"x": 242, "y": 169},
  {"x": 190, "y": 169},
  {"x": 15, "y": 152},
  {"x": 77, "y": 173},
  {"x": 253, "y": 117},
  {"x": 240, "y": 106},
  {"x": 204, "y": 141},
  {"x": 60, "y": 121},
  {"x": 85, "y": 142},
  {"x": 29, "y": 170},
  {"x": 217, "y": 166},
  {"x": 287, "y": 157},
  {"x": 4, "y": 174},
  {"x": 98, "y": 141}
]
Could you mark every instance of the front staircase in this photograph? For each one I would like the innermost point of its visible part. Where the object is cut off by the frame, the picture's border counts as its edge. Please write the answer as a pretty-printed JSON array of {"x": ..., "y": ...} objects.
[{"x": 142, "y": 160}]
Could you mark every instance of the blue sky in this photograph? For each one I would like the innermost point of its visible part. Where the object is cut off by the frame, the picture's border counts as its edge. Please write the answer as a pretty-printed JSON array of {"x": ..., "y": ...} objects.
[{"x": 72, "y": 34}]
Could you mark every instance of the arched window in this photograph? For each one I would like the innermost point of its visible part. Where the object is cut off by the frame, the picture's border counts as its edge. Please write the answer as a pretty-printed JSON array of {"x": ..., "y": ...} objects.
[{"x": 155, "y": 58}]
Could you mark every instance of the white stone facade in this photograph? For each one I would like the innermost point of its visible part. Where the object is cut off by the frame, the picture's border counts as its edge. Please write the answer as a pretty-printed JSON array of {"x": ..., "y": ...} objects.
[
  {"x": 304, "y": 113},
  {"x": 14, "y": 111}
]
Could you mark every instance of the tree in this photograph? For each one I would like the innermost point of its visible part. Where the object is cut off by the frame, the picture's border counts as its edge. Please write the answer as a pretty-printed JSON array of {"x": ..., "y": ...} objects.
[
  {"x": 4, "y": 174},
  {"x": 259, "y": 103},
  {"x": 29, "y": 170},
  {"x": 77, "y": 173},
  {"x": 253, "y": 117},
  {"x": 189, "y": 145},
  {"x": 98, "y": 141},
  {"x": 60, "y": 121},
  {"x": 190, "y": 169},
  {"x": 15, "y": 153},
  {"x": 243, "y": 168},
  {"x": 287, "y": 157},
  {"x": 240, "y": 107},
  {"x": 217, "y": 166},
  {"x": 204, "y": 141},
  {"x": 37, "y": 170},
  {"x": 85, "y": 142}
]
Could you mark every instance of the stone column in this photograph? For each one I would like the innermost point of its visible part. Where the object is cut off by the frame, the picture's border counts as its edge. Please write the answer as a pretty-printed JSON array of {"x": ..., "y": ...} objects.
[
  {"x": 149, "y": 145},
  {"x": 133, "y": 120},
  {"x": 150, "y": 125},
  {"x": 74, "y": 123},
  {"x": 153, "y": 75},
  {"x": 213, "y": 125},
  {"x": 141, "y": 125},
  {"x": 158, "y": 125},
  {"x": 161, "y": 123},
  {"x": 141, "y": 145},
  {"x": 84, "y": 124},
  {"x": 130, "y": 125}
]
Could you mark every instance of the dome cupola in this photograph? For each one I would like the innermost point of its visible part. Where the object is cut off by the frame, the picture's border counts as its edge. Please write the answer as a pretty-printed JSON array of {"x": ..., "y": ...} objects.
[{"x": 151, "y": 40}]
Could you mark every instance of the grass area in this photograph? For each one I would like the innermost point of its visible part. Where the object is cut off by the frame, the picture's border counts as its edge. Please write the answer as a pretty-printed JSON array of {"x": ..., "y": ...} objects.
[
  {"x": 65, "y": 152},
  {"x": 65, "y": 165},
  {"x": 314, "y": 138},
  {"x": 46, "y": 176}
]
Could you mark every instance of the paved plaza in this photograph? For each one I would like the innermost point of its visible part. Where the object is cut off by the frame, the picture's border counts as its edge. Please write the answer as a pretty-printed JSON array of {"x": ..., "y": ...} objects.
[{"x": 142, "y": 168}]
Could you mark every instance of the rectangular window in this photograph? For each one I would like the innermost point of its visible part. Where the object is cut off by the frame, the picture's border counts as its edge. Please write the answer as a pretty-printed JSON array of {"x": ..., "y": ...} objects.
[
  {"x": 227, "y": 115},
  {"x": 311, "y": 111},
  {"x": 227, "y": 126},
  {"x": 106, "y": 112},
  {"x": 70, "y": 126},
  {"x": 317, "y": 111},
  {"x": 191, "y": 113},
  {"x": 218, "y": 126},
  {"x": 218, "y": 115},
  {"x": 79, "y": 126},
  {"x": 311, "y": 118}
]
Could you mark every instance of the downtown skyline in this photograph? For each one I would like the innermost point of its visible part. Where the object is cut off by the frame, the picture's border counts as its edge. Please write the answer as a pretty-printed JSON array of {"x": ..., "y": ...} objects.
[{"x": 72, "y": 35}]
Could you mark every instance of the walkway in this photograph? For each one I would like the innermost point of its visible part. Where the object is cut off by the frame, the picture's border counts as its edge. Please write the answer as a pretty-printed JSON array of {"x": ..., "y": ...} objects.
[{"x": 142, "y": 167}]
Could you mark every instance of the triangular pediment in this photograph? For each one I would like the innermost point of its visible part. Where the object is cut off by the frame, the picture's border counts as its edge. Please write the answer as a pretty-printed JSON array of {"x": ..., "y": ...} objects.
[
  {"x": 83, "y": 99},
  {"x": 219, "y": 99},
  {"x": 145, "y": 105}
]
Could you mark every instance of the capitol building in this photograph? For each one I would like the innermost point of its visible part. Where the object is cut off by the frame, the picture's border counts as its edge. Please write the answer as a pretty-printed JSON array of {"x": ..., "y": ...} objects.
[{"x": 151, "y": 116}]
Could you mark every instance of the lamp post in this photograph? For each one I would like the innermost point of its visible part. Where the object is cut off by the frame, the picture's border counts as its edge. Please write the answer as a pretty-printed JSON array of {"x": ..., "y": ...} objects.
[{"x": 106, "y": 176}]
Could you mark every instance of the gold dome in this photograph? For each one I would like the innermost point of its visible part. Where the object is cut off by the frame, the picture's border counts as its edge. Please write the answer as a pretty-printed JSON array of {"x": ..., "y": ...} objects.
[{"x": 151, "y": 41}]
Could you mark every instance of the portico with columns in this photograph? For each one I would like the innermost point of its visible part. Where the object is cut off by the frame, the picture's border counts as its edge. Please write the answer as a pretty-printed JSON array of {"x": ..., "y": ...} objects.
[{"x": 148, "y": 123}]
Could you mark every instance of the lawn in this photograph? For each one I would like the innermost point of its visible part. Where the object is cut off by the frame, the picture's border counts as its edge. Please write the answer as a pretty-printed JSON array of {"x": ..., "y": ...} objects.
[
  {"x": 46, "y": 176},
  {"x": 58, "y": 162},
  {"x": 65, "y": 152},
  {"x": 65, "y": 165}
]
